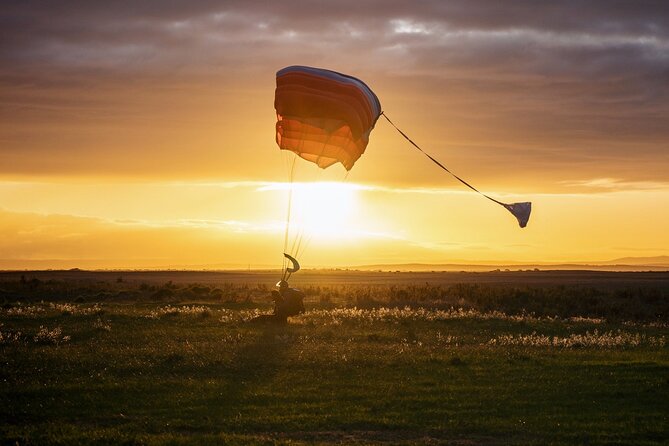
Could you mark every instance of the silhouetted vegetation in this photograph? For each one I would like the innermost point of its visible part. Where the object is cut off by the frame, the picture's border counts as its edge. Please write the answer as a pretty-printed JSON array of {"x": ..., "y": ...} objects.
[{"x": 643, "y": 301}]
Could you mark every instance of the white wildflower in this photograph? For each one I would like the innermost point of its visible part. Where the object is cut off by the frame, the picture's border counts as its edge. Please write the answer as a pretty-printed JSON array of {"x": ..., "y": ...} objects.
[{"x": 46, "y": 336}]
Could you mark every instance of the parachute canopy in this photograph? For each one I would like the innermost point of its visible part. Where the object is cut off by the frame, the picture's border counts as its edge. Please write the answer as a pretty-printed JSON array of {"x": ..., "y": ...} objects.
[{"x": 323, "y": 116}]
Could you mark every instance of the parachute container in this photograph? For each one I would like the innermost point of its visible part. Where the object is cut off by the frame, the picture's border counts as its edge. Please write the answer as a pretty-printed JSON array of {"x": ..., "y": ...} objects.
[{"x": 323, "y": 116}]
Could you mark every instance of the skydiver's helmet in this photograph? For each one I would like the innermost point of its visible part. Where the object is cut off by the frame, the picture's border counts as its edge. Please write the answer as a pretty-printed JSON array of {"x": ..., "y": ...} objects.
[{"x": 282, "y": 284}]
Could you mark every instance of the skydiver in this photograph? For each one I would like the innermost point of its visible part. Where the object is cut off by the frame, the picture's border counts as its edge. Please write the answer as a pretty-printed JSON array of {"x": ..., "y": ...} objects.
[{"x": 287, "y": 301}]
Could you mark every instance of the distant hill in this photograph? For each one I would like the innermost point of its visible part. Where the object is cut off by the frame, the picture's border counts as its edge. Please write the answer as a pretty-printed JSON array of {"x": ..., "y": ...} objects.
[
  {"x": 657, "y": 263},
  {"x": 650, "y": 261}
]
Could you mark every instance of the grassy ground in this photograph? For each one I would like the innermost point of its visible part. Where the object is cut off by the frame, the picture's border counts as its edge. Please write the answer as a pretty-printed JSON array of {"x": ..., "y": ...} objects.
[{"x": 142, "y": 371}]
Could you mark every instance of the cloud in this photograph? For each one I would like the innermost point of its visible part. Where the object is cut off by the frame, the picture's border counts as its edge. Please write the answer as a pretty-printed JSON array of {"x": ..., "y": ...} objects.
[
  {"x": 164, "y": 31},
  {"x": 615, "y": 185},
  {"x": 542, "y": 88},
  {"x": 32, "y": 240},
  {"x": 68, "y": 241}
]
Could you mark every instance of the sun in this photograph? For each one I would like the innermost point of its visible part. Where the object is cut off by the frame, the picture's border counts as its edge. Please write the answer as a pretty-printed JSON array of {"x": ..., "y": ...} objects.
[{"x": 324, "y": 210}]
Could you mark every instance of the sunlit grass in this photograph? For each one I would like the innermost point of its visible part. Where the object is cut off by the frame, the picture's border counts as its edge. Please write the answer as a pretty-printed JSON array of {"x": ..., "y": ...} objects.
[
  {"x": 50, "y": 336},
  {"x": 575, "y": 331},
  {"x": 610, "y": 339},
  {"x": 185, "y": 310}
]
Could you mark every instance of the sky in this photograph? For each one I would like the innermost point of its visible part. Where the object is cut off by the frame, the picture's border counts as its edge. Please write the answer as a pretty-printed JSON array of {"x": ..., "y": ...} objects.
[{"x": 141, "y": 134}]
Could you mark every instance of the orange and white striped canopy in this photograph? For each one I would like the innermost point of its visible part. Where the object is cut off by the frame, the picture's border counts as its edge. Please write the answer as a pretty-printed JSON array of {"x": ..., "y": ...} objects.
[{"x": 323, "y": 116}]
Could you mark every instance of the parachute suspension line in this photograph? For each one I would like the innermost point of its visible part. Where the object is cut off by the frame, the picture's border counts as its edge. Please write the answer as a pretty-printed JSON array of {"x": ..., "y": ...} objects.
[
  {"x": 299, "y": 232},
  {"x": 309, "y": 234},
  {"x": 520, "y": 210},
  {"x": 290, "y": 203},
  {"x": 310, "y": 237},
  {"x": 298, "y": 246},
  {"x": 297, "y": 241}
]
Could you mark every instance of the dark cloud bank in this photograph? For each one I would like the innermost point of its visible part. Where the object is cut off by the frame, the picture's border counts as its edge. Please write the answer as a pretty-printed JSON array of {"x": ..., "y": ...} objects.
[{"x": 559, "y": 82}]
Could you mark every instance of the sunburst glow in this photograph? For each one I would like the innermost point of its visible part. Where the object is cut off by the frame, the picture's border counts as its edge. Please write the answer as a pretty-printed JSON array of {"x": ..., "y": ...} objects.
[{"x": 323, "y": 209}]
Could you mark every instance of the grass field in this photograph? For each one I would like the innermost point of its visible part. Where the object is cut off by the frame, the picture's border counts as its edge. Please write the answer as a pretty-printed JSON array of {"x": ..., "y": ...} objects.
[{"x": 435, "y": 358}]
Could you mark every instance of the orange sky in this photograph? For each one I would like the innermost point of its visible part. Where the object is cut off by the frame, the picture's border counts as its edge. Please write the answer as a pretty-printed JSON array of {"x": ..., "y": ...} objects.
[{"x": 143, "y": 136}]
